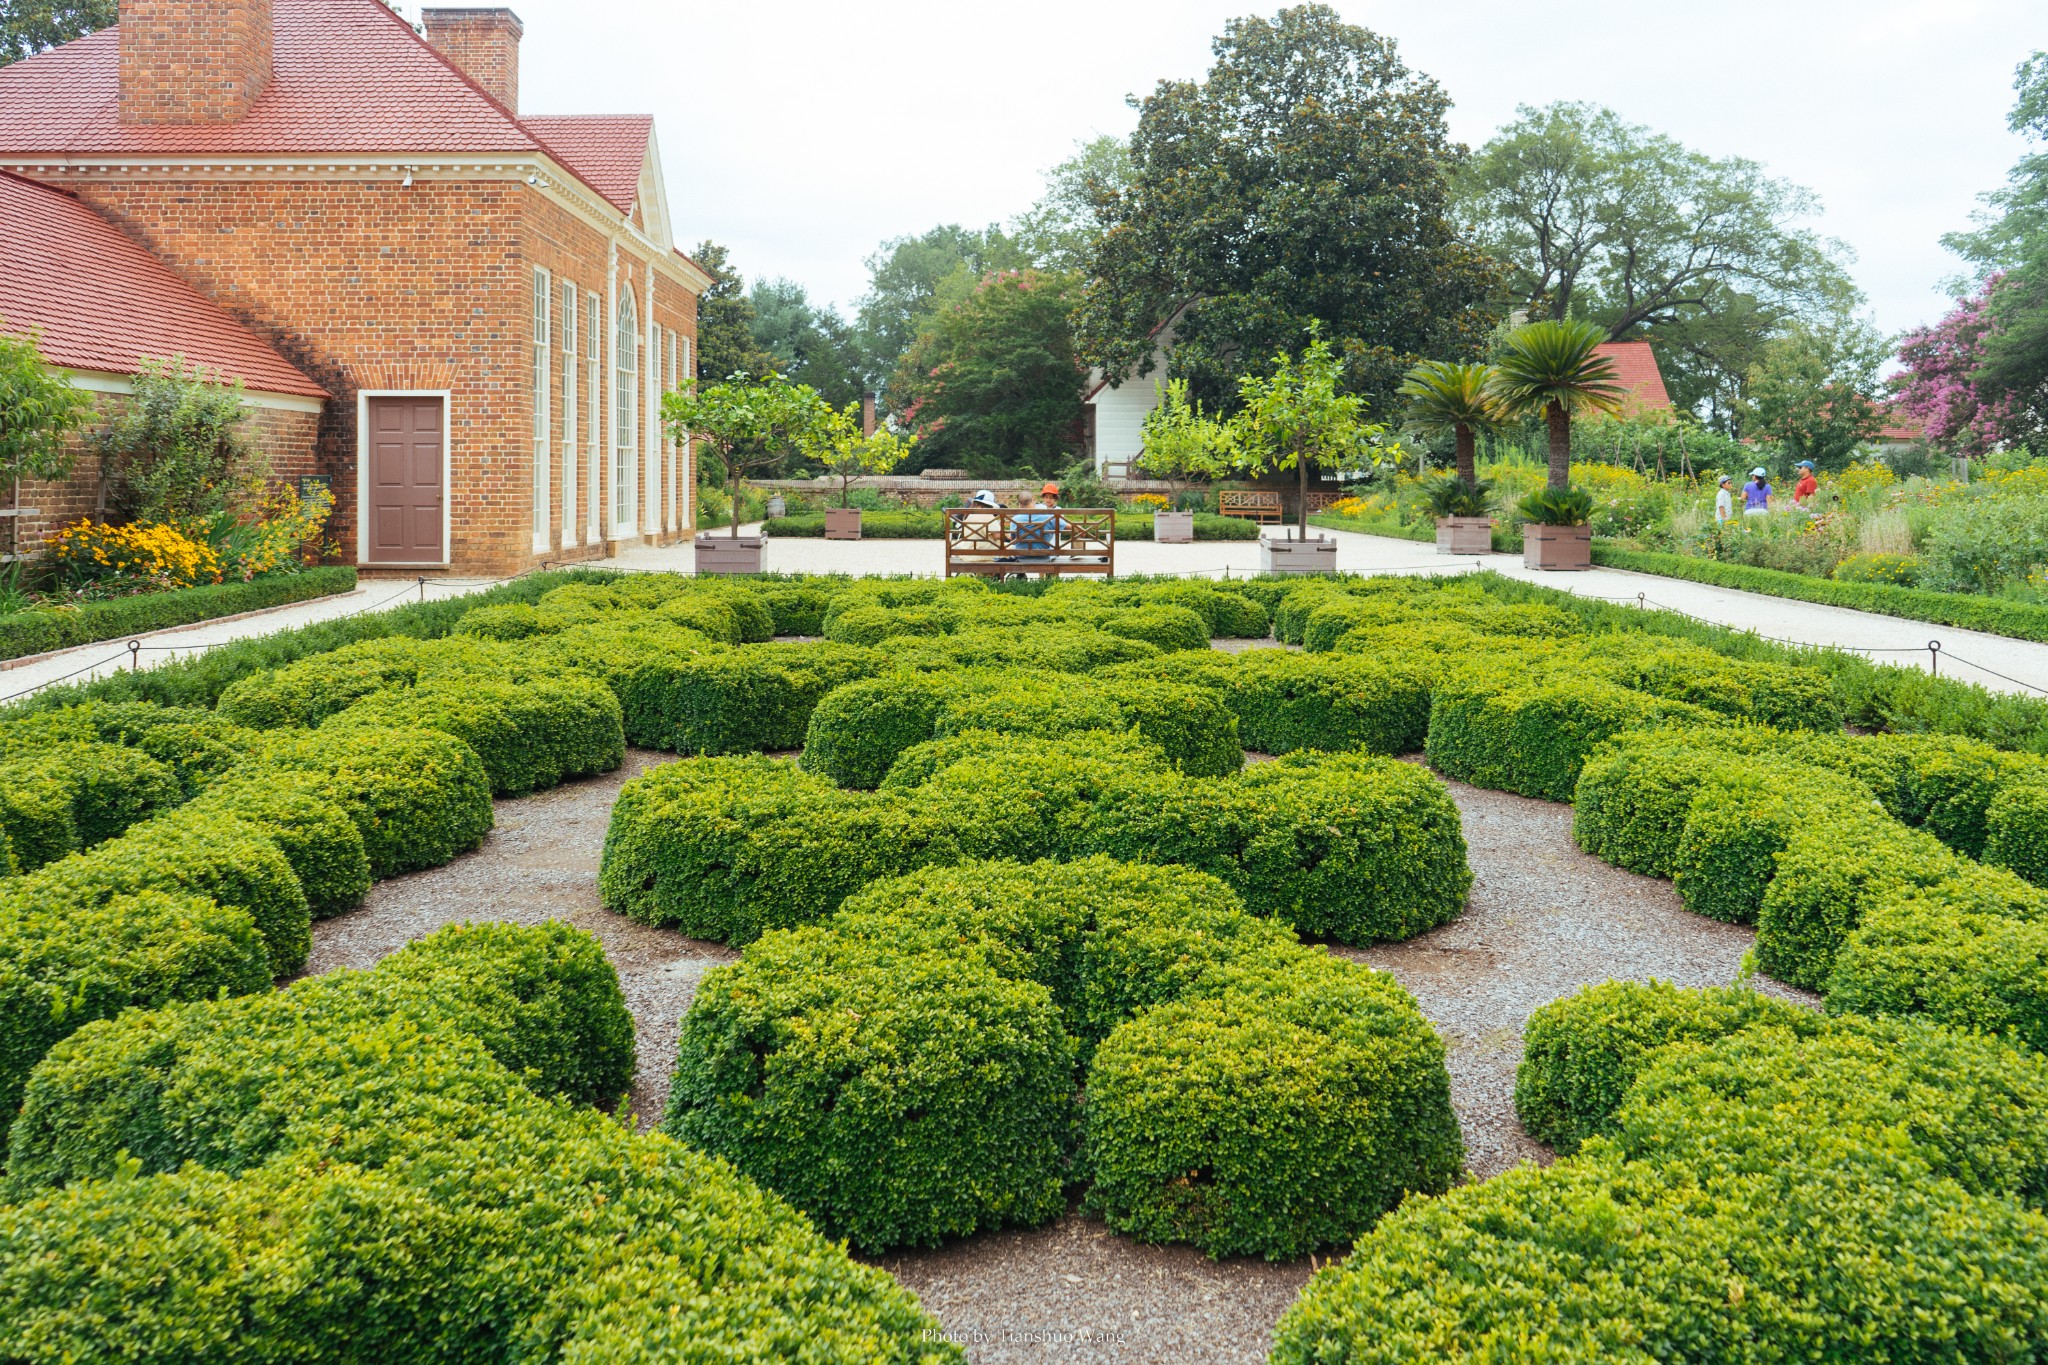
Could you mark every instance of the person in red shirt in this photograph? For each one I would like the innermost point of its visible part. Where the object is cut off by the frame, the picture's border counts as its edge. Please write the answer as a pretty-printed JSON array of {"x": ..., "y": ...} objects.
[{"x": 1803, "y": 491}]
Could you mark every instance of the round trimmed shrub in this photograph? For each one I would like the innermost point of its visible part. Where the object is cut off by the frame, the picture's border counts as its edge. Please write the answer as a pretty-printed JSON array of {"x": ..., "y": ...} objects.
[
  {"x": 1168, "y": 628},
  {"x": 75, "y": 795},
  {"x": 856, "y": 732},
  {"x": 1283, "y": 1114},
  {"x": 197, "y": 745},
  {"x": 1581, "y": 1054},
  {"x": 757, "y": 622},
  {"x": 755, "y": 698},
  {"x": 419, "y": 797},
  {"x": 1061, "y": 649},
  {"x": 1228, "y": 615},
  {"x": 710, "y": 616},
  {"x": 503, "y": 621},
  {"x": 316, "y": 836},
  {"x": 1922, "y": 954},
  {"x": 35, "y": 813},
  {"x": 529, "y": 735},
  {"x": 1632, "y": 800},
  {"x": 1045, "y": 706},
  {"x": 793, "y": 608},
  {"x": 1192, "y": 725},
  {"x": 1286, "y": 701},
  {"x": 898, "y": 1098},
  {"x": 870, "y": 625},
  {"x": 1532, "y": 738},
  {"x": 2016, "y": 830},
  {"x": 613, "y": 650}
]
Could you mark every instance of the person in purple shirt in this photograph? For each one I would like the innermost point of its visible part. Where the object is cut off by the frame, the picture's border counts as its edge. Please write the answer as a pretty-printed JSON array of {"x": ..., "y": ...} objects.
[{"x": 1756, "y": 494}]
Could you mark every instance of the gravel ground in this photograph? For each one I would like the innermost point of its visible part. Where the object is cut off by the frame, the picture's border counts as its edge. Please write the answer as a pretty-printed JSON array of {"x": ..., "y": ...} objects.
[
  {"x": 1544, "y": 919},
  {"x": 540, "y": 863}
]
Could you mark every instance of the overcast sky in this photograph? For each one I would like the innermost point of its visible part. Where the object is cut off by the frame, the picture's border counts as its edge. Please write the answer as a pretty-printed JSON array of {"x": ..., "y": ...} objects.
[{"x": 801, "y": 135}]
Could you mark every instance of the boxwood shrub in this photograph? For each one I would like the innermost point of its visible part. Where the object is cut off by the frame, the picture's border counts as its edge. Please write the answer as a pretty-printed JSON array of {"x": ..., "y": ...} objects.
[
  {"x": 64, "y": 797},
  {"x": 419, "y": 797},
  {"x": 755, "y": 698},
  {"x": 897, "y": 1097},
  {"x": 712, "y": 617},
  {"x": 1922, "y": 954},
  {"x": 528, "y": 735},
  {"x": 1532, "y": 736},
  {"x": 315, "y": 835},
  {"x": 1278, "y": 1114},
  {"x": 2016, "y": 830}
]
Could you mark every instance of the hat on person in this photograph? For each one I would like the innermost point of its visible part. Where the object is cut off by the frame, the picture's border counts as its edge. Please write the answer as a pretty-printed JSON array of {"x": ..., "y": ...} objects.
[
  {"x": 1051, "y": 490},
  {"x": 1806, "y": 464},
  {"x": 1727, "y": 478},
  {"x": 1759, "y": 473},
  {"x": 983, "y": 498}
]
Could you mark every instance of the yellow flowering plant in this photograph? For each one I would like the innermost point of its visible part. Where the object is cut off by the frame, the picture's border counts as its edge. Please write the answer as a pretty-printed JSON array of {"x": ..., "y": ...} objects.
[{"x": 147, "y": 553}]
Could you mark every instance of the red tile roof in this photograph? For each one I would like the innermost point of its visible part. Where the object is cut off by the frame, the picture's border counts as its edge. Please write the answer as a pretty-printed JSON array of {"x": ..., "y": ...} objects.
[
  {"x": 1635, "y": 368},
  {"x": 606, "y": 151},
  {"x": 346, "y": 76},
  {"x": 98, "y": 300}
]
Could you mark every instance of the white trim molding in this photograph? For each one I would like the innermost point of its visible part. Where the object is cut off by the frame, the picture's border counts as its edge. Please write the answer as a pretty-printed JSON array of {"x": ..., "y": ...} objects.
[
  {"x": 363, "y": 397},
  {"x": 109, "y": 381}
]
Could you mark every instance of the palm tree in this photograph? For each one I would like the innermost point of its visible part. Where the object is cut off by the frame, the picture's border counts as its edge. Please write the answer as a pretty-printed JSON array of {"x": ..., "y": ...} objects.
[
  {"x": 1449, "y": 395},
  {"x": 1555, "y": 368}
]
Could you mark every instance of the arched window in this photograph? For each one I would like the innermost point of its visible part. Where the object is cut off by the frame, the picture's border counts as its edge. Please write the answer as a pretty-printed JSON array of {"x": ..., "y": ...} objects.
[{"x": 626, "y": 417}]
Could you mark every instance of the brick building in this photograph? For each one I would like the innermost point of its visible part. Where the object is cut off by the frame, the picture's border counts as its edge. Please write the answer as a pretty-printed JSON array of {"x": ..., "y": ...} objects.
[{"x": 493, "y": 304}]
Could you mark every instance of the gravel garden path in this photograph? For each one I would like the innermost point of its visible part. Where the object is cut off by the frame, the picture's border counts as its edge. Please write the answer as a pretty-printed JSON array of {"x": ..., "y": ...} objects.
[{"x": 1543, "y": 919}]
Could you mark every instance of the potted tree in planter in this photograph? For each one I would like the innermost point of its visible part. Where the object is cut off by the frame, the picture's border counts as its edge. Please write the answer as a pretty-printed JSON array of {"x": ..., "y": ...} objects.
[
  {"x": 1555, "y": 533},
  {"x": 847, "y": 454},
  {"x": 1449, "y": 396},
  {"x": 755, "y": 425},
  {"x": 1182, "y": 444},
  {"x": 1555, "y": 369},
  {"x": 1296, "y": 415}
]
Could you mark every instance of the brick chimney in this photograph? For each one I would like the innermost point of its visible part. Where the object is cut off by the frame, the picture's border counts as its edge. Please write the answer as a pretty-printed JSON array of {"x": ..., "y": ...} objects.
[
  {"x": 192, "y": 61},
  {"x": 483, "y": 43}
]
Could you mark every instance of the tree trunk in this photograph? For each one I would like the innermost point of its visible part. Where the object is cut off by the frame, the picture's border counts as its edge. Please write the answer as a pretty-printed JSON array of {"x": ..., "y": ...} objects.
[
  {"x": 1301, "y": 464},
  {"x": 1468, "y": 455},
  {"x": 735, "y": 500},
  {"x": 1560, "y": 424}
]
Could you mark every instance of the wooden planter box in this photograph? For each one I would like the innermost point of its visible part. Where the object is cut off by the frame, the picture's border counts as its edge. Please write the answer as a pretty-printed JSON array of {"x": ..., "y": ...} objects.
[
  {"x": 1318, "y": 555},
  {"x": 1464, "y": 535},
  {"x": 719, "y": 553},
  {"x": 1557, "y": 547},
  {"x": 1173, "y": 528},
  {"x": 842, "y": 523}
]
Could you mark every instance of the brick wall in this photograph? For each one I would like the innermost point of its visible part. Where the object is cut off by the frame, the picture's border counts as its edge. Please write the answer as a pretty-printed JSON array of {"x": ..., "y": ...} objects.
[
  {"x": 287, "y": 440},
  {"x": 192, "y": 61},
  {"x": 484, "y": 43}
]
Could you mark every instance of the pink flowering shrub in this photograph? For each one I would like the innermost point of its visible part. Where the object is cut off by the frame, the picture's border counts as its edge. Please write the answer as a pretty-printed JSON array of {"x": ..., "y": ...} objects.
[{"x": 1936, "y": 387}]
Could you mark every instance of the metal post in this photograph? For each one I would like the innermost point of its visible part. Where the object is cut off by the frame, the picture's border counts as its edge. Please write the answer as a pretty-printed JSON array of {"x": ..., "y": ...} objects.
[
  {"x": 1934, "y": 657},
  {"x": 423, "y": 587},
  {"x": 135, "y": 656},
  {"x": 1642, "y": 601}
]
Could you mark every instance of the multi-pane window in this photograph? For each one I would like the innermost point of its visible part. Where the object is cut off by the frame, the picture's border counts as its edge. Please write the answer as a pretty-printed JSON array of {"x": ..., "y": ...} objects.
[
  {"x": 686, "y": 476},
  {"x": 626, "y": 410},
  {"x": 593, "y": 369},
  {"x": 675, "y": 381},
  {"x": 570, "y": 356},
  {"x": 543, "y": 416}
]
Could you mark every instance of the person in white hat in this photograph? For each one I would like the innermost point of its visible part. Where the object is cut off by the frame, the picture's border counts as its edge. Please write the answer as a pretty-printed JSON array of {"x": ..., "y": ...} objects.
[
  {"x": 1756, "y": 494},
  {"x": 1724, "y": 500}
]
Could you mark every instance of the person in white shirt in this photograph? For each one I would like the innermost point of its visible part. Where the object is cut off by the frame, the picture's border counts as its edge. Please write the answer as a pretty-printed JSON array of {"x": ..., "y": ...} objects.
[{"x": 1724, "y": 500}]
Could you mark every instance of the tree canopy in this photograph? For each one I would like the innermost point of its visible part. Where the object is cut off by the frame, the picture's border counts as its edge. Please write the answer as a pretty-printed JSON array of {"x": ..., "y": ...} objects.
[
  {"x": 910, "y": 279},
  {"x": 754, "y": 425},
  {"x": 808, "y": 343},
  {"x": 1601, "y": 219},
  {"x": 30, "y": 26},
  {"x": 1299, "y": 414},
  {"x": 1303, "y": 180},
  {"x": 1815, "y": 391},
  {"x": 991, "y": 384},
  {"x": 1059, "y": 232},
  {"x": 725, "y": 321}
]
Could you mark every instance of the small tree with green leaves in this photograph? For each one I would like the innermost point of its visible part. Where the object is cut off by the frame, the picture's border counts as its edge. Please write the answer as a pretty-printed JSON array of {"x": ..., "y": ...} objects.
[
  {"x": 1448, "y": 397},
  {"x": 755, "y": 425},
  {"x": 1296, "y": 416},
  {"x": 1555, "y": 370},
  {"x": 848, "y": 454},
  {"x": 39, "y": 411},
  {"x": 1182, "y": 443},
  {"x": 179, "y": 451}
]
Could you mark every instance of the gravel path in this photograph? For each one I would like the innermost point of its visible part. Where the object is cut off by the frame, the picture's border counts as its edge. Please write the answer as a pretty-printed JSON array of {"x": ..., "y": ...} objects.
[
  {"x": 540, "y": 863},
  {"x": 1544, "y": 919}
]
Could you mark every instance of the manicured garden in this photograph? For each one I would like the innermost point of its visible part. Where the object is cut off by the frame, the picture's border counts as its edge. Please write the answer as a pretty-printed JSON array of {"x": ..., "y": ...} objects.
[{"x": 1019, "y": 927}]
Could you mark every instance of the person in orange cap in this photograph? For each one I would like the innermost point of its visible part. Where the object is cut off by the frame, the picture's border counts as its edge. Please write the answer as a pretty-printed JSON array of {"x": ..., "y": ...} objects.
[{"x": 1050, "y": 494}]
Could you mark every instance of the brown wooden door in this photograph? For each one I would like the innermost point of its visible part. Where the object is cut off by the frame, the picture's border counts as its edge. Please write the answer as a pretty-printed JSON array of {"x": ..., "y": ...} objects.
[{"x": 407, "y": 448}]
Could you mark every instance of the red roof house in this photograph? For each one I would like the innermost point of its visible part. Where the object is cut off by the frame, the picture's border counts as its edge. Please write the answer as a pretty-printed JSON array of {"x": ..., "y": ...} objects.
[
  {"x": 493, "y": 303},
  {"x": 1635, "y": 368}
]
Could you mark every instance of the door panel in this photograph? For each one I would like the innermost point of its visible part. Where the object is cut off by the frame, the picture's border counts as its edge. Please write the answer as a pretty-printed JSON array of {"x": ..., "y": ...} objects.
[{"x": 406, "y": 453}]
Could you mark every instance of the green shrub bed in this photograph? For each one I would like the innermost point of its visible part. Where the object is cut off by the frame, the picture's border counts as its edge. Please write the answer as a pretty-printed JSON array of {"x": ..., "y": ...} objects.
[
  {"x": 905, "y": 1071},
  {"x": 357, "y": 1166},
  {"x": 1746, "y": 1190},
  {"x": 1346, "y": 847},
  {"x": 38, "y": 630}
]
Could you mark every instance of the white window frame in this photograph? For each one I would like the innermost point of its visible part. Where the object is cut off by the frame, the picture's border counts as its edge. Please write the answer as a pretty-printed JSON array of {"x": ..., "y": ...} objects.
[
  {"x": 668, "y": 440},
  {"x": 626, "y": 372},
  {"x": 593, "y": 351},
  {"x": 447, "y": 397},
  {"x": 543, "y": 407},
  {"x": 651, "y": 512},
  {"x": 571, "y": 321},
  {"x": 686, "y": 470}
]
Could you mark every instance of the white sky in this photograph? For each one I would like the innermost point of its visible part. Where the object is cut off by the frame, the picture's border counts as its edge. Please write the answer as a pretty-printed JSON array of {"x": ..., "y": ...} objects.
[{"x": 803, "y": 134}]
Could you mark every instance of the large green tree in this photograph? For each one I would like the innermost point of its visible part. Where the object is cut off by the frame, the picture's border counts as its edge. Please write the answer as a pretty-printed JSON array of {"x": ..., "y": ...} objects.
[
  {"x": 725, "y": 321},
  {"x": 1602, "y": 219},
  {"x": 809, "y": 343},
  {"x": 1059, "y": 232},
  {"x": 991, "y": 384},
  {"x": 1815, "y": 390},
  {"x": 1303, "y": 180},
  {"x": 29, "y": 26},
  {"x": 910, "y": 279},
  {"x": 2010, "y": 245}
]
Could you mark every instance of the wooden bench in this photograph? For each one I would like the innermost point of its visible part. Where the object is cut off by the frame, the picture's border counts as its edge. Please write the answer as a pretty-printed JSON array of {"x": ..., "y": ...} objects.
[
  {"x": 1048, "y": 541},
  {"x": 1260, "y": 505}
]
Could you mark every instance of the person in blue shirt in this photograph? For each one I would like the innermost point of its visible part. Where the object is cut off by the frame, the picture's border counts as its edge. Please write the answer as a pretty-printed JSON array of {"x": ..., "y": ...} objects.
[
  {"x": 1756, "y": 494},
  {"x": 1031, "y": 530}
]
